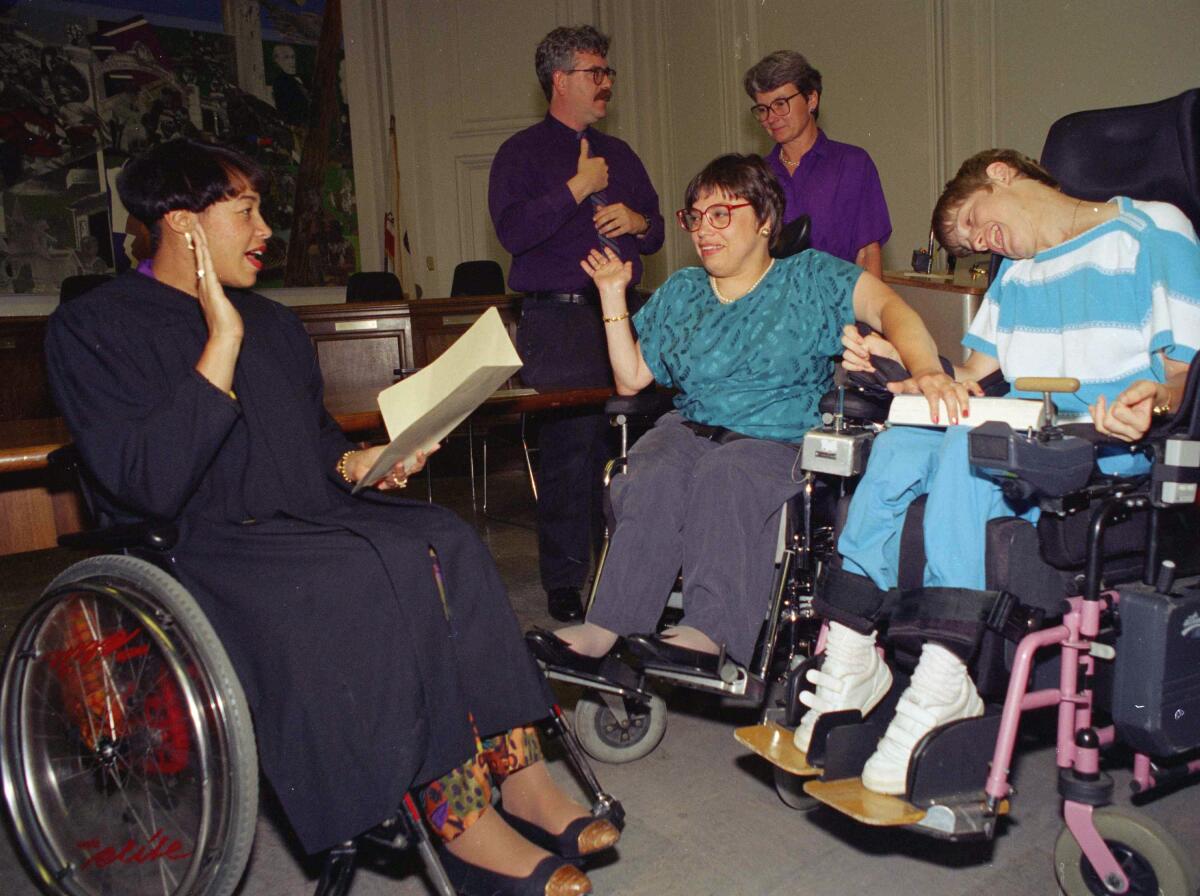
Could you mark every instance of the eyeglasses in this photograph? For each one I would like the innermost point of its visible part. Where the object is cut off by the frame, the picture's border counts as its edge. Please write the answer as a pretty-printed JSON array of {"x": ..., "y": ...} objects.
[
  {"x": 719, "y": 215},
  {"x": 779, "y": 106},
  {"x": 598, "y": 73}
]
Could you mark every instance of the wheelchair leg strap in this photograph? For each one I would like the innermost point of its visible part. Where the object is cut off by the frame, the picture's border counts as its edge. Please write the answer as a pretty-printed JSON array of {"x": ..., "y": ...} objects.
[
  {"x": 852, "y": 600},
  {"x": 955, "y": 618}
]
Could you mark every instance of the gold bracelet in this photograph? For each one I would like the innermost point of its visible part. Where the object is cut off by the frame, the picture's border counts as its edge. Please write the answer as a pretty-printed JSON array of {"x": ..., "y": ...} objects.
[
  {"x": 341, "y": 465},
  {"x": 619, "y": 317}
]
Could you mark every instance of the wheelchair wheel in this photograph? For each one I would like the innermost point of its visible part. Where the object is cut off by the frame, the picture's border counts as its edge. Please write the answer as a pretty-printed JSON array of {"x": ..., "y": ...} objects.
[
  {"x": 1151, "y": 858},
  {"x": 605, "y": 738},
  {"x": 788, "y": 787},
  {"x": 128, "y": 756}
]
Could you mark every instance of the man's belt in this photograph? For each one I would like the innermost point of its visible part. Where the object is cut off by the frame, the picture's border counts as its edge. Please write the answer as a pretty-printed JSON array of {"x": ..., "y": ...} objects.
[{"x": 566, "y": 298}]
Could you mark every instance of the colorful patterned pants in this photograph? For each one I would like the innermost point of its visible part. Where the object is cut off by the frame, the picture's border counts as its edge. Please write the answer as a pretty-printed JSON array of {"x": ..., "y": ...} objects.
[{"x": 454, "y": 802}]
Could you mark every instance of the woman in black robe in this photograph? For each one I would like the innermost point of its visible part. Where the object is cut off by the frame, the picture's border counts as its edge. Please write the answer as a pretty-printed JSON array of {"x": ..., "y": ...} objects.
[{"x": 366, "y": 674}]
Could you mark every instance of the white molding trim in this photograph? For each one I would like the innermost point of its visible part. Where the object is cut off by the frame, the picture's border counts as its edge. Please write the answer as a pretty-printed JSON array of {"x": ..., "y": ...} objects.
[{"x": 464, "y": 166}]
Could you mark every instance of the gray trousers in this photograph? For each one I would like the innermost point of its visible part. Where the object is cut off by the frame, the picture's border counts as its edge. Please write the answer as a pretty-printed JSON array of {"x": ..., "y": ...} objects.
[{"x": 685, "y": 501}]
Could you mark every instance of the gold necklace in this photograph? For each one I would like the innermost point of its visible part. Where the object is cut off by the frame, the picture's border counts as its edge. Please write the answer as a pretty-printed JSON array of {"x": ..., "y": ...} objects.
[
  {"x": 788, "y": 163},
  {"x": 712, "y": 281}
]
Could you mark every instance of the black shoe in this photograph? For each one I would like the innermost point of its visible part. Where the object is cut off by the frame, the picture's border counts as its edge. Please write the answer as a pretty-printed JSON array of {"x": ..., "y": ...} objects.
[
  {"x": 564, "y": 604},
  {"x": 554, "y": 651},
  {"x": 553, "y": 876},
  {"x": 656, "y": 649},
  {"x": 582, "y": 837}
]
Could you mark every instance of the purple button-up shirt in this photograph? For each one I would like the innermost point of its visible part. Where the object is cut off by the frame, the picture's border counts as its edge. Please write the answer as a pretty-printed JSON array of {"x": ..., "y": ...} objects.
[
  {"x": 538, "y": 220},
  {"x": 837, "y": 186}
]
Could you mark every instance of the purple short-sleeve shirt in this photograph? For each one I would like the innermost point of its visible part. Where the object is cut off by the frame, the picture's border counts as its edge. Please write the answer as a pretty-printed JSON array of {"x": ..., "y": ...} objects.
[{"x": 837, "y": 186}]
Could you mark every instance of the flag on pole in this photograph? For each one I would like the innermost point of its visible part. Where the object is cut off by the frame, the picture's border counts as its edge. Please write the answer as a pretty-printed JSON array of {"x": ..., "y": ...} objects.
[{"x": 389, "y": 241}]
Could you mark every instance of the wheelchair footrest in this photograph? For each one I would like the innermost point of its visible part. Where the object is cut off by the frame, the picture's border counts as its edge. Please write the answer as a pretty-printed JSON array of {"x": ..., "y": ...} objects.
[
  {"x": 774, "y": 743},
  {"x": 848, "y": 796}
]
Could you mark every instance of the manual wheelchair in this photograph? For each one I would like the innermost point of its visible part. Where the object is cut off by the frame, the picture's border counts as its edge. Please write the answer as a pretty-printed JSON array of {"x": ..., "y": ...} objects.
[
  {"x": 1109, "y": 579},
  {"x": 128, "y": 753}
]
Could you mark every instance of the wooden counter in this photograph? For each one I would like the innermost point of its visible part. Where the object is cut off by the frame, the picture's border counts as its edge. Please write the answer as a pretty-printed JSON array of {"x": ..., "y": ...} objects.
[{"x": 946, "y": 309}]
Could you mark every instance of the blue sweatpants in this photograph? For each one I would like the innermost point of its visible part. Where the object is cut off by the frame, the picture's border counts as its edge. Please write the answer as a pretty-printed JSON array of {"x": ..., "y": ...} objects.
[{"x": 907, "y": 462}]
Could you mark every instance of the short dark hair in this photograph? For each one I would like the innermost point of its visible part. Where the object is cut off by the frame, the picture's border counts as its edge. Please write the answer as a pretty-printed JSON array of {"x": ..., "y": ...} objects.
[
  {"x": 184, "y": 174},
  {"x": 780, "y": 68},
  {"x": 556, "y": 52},
  {"x": 972, "y": 176},
  {"x": 746, "y": 177}
]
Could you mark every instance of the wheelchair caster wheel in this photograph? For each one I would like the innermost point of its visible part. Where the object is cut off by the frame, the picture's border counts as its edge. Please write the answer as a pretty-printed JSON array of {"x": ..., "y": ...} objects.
[
  {"x": 790, "y": 789},
  {"x": 608, "y": 739},
  {"x": 1151, "y": 858}
]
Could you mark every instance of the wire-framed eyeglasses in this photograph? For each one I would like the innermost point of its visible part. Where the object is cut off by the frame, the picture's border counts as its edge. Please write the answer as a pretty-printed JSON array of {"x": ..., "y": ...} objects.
[
  {"x": 599, "y": 73},
  {"x": 779, "y": 106},
  {"x": 719, "y": 215}
]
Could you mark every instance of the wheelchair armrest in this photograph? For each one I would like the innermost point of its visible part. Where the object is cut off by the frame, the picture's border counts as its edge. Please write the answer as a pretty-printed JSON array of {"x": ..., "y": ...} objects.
[
  {"x": 858, "y": 404},
  {"x": 652, "y": 403}
]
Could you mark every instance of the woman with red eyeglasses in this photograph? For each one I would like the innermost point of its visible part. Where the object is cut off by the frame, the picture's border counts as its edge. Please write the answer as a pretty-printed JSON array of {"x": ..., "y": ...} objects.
[{"x": 747, "y": 341}]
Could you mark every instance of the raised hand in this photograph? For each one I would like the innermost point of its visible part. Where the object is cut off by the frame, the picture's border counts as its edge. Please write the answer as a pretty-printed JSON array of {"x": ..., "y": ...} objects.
[
  {"x": 221, "y": 317},
  {"x": 608, "y": 272}
]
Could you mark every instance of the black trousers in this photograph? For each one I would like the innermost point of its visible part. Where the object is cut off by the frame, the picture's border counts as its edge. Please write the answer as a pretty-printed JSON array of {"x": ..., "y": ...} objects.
[{"x": 563, "y": 346}]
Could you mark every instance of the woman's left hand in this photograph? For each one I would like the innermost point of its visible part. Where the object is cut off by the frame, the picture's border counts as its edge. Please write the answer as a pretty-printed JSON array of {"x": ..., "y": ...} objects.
[
  {"x": 610, "y": 274},
  {"x": 1128, "y": 416},
  {"x": 938, "y": 388}
]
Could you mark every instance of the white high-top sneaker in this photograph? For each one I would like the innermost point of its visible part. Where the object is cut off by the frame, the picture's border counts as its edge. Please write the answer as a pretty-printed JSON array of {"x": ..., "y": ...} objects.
[
  {"x": 853, "y": 676},
  {"x": 941, "y": 691}
]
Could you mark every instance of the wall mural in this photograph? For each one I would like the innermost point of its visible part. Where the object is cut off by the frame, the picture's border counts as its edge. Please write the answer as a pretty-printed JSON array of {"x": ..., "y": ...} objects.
[{"x": 85, "y": 85}]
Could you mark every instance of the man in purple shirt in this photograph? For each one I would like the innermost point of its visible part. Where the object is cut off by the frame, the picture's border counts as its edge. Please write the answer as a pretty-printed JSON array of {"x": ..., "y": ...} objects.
[
  {"x": 557, "y": 190},
  {"x": 835, "y": 184}
]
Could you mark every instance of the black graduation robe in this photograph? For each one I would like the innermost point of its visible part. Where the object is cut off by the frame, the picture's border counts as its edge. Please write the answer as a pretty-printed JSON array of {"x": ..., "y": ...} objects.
[{"x": 358, "y": 677}]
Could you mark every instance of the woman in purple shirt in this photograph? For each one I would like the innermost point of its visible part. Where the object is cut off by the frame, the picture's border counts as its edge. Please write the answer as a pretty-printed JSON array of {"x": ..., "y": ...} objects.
[{"x": 835, "y": 184}]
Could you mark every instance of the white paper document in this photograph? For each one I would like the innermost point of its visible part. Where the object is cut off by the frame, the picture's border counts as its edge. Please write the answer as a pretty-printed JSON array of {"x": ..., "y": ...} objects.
[
  {"x": 422, "y": 409},
  {"x": 1019, "y": 413}
]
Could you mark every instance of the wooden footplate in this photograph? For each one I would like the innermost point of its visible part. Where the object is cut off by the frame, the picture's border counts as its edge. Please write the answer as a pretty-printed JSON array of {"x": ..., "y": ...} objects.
[
  {"x": 848, "y": 796},
  {"x": 774, "y": 743}
]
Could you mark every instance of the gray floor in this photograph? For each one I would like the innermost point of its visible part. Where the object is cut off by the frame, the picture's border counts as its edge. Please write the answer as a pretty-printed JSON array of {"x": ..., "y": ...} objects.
[{"x": 703, "y": 817}]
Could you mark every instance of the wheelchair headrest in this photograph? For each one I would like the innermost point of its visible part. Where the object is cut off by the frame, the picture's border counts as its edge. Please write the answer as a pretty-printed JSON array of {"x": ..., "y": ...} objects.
[{"x": 1148, "y": 151}]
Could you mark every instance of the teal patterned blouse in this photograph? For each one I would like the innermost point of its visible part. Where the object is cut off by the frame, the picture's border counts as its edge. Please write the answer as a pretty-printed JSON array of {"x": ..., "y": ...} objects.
[{"x": 759, "y": 365}]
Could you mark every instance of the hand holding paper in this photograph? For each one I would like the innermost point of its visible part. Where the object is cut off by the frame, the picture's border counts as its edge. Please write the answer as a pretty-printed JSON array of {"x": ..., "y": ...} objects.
[{"x": 422, "y": 410}]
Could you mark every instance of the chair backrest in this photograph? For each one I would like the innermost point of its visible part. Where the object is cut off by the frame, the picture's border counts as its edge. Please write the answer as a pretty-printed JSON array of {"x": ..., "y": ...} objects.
[
  {"x": 374, "y": 286},
  {"x": 794, "y": 238},
  {"x": 1149, "y": 151},
  {"x": 477, "y": 278},
  {"x": 77, "y": 284}
]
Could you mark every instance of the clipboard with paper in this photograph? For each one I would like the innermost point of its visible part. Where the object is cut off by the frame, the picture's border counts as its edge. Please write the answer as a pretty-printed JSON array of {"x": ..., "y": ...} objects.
[{"x": 422, "y": 409}]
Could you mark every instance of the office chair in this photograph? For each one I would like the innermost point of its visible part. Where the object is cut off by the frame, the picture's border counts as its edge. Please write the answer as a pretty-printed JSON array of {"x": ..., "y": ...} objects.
[
  {"x": 1147, "y": 151},
  {"x": 374, "y": 286},
  {"x": 477, "y": 278},
  {"x": 77, "y": 284}
]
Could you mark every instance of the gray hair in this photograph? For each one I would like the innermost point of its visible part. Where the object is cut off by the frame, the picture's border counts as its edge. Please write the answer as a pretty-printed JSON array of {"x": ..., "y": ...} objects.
[
  {"x": 556, "y": 52},
  {"x": 780, "y": 68}
]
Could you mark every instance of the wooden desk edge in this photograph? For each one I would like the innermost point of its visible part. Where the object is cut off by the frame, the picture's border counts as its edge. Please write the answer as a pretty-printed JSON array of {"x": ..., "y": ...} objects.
[{"x": 32, "y": 452}]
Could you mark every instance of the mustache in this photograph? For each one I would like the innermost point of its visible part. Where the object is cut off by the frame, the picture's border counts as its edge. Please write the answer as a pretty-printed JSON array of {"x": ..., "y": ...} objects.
[{"x": 605, "y": 95}]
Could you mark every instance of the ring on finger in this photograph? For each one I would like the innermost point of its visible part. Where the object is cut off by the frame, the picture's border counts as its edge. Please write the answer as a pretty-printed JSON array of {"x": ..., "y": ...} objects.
[{"x": 199, "y": 272}]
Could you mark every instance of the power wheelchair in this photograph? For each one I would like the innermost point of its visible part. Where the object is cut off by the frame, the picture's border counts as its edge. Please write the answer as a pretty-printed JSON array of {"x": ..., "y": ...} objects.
[
  {"x": 128, "y": 756},
  {"x": 620, "y": 717},
  {"x": 1127, "y": 667}
]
